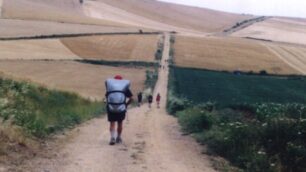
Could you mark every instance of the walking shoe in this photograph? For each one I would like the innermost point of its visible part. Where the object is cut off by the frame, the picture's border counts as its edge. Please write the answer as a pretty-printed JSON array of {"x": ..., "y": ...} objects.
[
  {"x": 118, "y": 140},
  {"x": 112, "y": 141}
]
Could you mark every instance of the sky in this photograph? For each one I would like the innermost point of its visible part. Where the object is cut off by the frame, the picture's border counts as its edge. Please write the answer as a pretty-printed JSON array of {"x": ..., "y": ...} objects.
[{"x": 289, "y": 8}]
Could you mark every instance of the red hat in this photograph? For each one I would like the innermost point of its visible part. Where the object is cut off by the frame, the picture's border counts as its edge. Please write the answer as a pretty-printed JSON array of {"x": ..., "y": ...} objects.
[{"x": 119, "y": 77}]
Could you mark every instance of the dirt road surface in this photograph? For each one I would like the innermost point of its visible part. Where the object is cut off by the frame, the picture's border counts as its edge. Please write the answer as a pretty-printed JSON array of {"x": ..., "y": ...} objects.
[
  {"x": 1, "y": 1},
  {"x": 151, "y": 142}
]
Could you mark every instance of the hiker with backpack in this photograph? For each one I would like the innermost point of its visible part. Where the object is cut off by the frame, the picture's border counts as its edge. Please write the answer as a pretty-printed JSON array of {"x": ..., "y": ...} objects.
[
  {"x": 158, "y": 100},
  {"x": 139, "y": 97},
  {"x": 118, "y": 97},
  {"x": 150, "y": 100}
]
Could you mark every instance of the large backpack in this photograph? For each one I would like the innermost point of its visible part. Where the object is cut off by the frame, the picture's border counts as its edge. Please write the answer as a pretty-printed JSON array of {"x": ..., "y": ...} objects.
[{"x": 115, "y": 95}]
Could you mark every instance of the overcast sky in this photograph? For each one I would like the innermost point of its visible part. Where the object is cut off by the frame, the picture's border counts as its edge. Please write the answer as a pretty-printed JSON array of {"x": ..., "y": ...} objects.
[{"x": 290, "y": 8}]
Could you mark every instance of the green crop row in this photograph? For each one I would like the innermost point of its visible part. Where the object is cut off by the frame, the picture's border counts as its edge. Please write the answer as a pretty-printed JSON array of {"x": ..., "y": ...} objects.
[{"x": 227, "y": 89}]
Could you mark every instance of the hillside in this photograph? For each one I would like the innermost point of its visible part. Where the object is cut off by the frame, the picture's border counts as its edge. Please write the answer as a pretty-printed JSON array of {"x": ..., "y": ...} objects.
[
  {"x": 123, "y": 13},
  {"x": 198, "y": 19},
  {"x": 69, "y": 11},
  {"x": 286, "y": 30}
]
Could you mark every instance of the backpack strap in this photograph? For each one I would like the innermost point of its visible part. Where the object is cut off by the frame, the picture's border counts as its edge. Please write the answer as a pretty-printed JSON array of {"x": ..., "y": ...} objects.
[{"x": 116, "y": 91}]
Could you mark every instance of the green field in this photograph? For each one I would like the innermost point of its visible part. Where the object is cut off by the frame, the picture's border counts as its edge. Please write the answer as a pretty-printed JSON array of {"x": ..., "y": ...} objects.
[
  {"x": 200, "y": 86},
  {"x": 256, "y": 122}
]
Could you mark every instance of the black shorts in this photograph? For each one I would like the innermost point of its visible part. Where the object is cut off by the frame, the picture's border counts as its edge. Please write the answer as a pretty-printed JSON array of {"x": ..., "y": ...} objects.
[{"x": 115, "y": 117}]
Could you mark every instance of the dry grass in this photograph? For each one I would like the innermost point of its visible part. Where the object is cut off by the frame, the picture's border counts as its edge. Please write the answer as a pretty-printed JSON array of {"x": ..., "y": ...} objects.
[
  {"x": 35, "y": 49},
  {"x": 53, "y": 10},
  {"x": 15, "y": 146},
  {"x": 19, "y": 28},
  {"x": 228, "y": 54},
  {"x": 292, "y": 55},
  {"x": 277, "y": 29},
  {"x": 84, "y": 79},
  {"x": 114, "y": 47},
  {"x": 192, "y": 18}
]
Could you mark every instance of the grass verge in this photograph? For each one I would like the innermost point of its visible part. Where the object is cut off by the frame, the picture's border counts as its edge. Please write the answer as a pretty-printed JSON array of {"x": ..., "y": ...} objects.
[{"x": 41, "y": 111}]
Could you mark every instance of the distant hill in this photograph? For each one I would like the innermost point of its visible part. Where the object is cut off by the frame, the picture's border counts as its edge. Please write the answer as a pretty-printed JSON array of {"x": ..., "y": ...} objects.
[
  {"x": 67, "y": 11},
  {"x": 139, "y": 13},
  {"x": 199, "y": 19}
]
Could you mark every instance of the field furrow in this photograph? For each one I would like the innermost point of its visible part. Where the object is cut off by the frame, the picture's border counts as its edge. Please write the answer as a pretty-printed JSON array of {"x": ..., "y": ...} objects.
[
  {"x": 290, "y": 56},
  {"x": 114, "y": 47}
]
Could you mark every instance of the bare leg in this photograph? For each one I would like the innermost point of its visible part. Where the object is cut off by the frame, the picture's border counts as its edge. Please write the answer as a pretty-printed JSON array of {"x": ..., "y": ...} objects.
[
  {"x": 112, "y": 129},
  {"x": 112, "y": 132},
  {"x": 119, "y": 129}
]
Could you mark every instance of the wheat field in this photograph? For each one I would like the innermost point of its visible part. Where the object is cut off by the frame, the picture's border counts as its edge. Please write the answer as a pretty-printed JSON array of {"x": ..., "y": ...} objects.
[
  {"x": 114, "y": 47},
  {"x": 85, "y": 79},
  {"x": 228, "y": 54}
]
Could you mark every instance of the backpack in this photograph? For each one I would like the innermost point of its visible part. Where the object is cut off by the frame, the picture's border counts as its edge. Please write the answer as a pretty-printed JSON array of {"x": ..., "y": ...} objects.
[{"x": 115, "y": 95}]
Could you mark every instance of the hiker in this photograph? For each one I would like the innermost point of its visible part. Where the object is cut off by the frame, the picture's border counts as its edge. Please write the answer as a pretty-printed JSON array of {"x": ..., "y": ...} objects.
[
  {"x": 139, "y": 97},
  {"x": 118, "y": 97},
  {"x": 150, "y": 100},
  {"x": 158, "y": 100}
]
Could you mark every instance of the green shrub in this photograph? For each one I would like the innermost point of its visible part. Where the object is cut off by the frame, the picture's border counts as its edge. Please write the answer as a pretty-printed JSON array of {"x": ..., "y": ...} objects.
[
  {"x": 151, "y": 78},
  {"x": 175, "y": 104},
  {"x": 194, "y": 120}
]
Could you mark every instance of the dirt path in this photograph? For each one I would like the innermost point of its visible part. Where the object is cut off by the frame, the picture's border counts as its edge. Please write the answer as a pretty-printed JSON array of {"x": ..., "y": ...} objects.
[
  {"x": 152, "y": 142},
  {"x": 1, "y": 2}
]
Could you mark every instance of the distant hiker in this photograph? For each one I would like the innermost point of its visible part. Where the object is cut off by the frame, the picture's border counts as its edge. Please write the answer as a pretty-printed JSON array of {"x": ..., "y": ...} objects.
[
  {"x": 118, "y": 97},
  {"x": 150, "y": 100},
  {"x": 139, "y": 97},
  {"x": 158, "y": 100}
]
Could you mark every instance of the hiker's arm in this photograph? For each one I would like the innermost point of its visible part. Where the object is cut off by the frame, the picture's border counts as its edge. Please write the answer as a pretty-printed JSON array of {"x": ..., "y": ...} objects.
[
  {"x": 130, "y": 100},
  {"x": 129, "y": 95}
]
